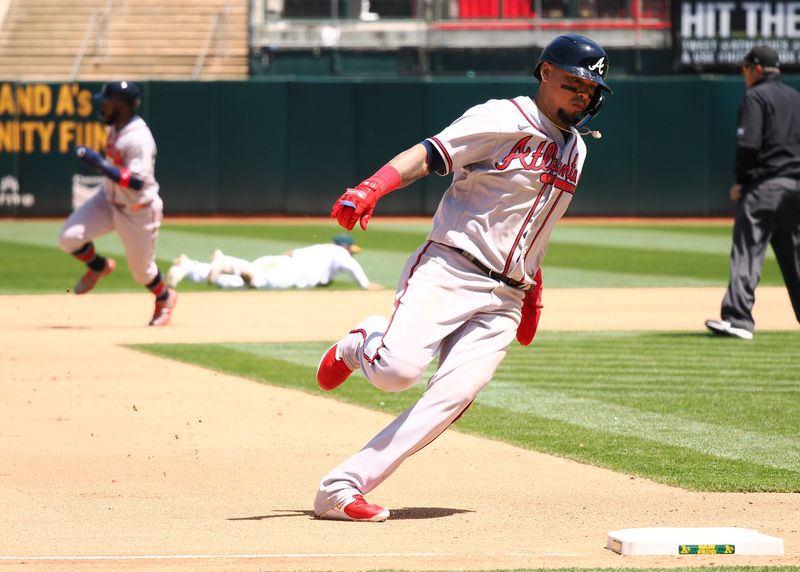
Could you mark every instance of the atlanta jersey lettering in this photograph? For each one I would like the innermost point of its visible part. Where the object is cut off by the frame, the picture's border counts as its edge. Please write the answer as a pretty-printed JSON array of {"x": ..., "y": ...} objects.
[{"x": 514, "y": 175}]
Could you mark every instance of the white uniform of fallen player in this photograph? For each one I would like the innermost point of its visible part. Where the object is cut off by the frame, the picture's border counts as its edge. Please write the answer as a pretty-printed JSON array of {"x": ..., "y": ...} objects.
[{"x": 306, "y": 267}]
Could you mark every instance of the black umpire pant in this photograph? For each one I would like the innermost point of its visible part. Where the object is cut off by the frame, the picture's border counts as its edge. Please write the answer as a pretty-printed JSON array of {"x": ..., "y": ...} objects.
[{"x": 767, "y": 212}]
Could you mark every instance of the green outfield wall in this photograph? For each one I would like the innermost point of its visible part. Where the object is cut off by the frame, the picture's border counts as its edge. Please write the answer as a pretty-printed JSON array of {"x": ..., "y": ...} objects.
[{"x": 289, "y": 147}]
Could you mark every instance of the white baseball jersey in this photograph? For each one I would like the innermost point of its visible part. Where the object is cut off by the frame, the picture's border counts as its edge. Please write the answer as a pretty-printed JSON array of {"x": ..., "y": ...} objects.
[
  {"x": 514, "y": 174},
  {"x": 301, "y": 268},
  {"x": 132, "y": 148},
  {"x": 318, "y": 264}
]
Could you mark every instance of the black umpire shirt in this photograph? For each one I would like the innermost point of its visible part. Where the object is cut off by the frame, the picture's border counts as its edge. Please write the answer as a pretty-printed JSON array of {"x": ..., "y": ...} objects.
[{"x": 768, "y": 132}]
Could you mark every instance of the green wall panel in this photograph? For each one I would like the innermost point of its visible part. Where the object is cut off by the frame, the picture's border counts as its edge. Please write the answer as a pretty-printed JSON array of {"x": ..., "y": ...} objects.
[
  {"x": 319, "y": 146},
  {"x": 251, "y": 154},
  {"x": 672, "y": 146},
  {"x": 390, "y": 119},
  {"x": 183, "y": 119},
  {"x": 725, "y": 96},
  {"x": 611, "y": 173}
]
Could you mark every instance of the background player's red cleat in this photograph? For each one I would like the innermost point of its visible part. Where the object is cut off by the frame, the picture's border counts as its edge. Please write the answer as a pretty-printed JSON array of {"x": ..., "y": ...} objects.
[
  {"x": 92, "y": 277},
  {"x": 356, "y": 508},
  {"x": 163, "y": 311},
  {"x": 332, "y": 371}
]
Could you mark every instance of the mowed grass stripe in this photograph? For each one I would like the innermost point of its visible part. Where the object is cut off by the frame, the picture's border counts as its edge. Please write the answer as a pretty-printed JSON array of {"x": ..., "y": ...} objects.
[
  {"x": 562, "y": 277},
  {"x": 664, "y": 413},
  {"x": 721, "y": 441},
  {"x": 641, "y": 257},
  {"x": 386, "y": 238},
  {"x": 520, "y": 397},
  {"x": 662, "y": 237},
  {"x": 696, "y": 376},
  {"x": 646, "y": 261}
]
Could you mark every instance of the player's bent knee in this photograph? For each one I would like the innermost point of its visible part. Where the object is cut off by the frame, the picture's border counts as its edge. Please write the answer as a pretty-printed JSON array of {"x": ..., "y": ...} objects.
[
  {"x": 396, "y": 377},
  {"x": 143, "y": 277},
  {"x": 71, "y": 239}
]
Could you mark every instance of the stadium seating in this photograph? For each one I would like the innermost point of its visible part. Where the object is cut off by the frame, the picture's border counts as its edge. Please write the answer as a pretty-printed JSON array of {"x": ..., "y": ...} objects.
[{"x": 135, "y": 39}]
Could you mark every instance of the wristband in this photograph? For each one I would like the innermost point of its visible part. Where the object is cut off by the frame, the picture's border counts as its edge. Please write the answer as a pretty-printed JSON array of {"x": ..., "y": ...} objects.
[
  {"x": 384, "y": 181},
  {"x": 124, "y": 178}
]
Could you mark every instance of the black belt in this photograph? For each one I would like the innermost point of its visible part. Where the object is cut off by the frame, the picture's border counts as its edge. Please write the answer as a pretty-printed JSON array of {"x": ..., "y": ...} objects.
[
  {"x": 491, "y": 273},
  {"x": 132, "y": 206}
]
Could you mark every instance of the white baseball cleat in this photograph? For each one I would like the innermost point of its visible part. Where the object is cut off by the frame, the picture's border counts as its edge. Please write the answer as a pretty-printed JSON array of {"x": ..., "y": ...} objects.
[
  {"x": 178, "y": 270},
  {"x": 356, "y": 508},
  {"x": 724, "y": 328},
  {"x": 217, "y": 266}
]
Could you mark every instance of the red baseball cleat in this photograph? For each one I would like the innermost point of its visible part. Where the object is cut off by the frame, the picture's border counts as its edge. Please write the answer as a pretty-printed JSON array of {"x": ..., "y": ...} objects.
[
  {"x": 92, "y": 277},
  {"x": 356, "y": 508},
  {"x": 332, "y": 371},
  {"x": 163, "y": 311}
]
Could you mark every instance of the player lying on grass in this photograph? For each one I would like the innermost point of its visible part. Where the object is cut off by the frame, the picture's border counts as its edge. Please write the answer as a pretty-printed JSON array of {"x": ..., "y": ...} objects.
[{"x": 307, "y": 267}]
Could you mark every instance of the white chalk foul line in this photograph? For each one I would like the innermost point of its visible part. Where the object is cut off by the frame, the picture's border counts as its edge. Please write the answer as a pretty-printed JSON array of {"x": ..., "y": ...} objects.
[
  {"x": 264, "y": 556},
  {"x": 221, "y": 556}
]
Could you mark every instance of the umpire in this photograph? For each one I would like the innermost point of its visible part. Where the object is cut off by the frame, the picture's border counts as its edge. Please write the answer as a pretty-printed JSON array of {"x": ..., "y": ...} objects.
[{"x": 766, "y": 192}]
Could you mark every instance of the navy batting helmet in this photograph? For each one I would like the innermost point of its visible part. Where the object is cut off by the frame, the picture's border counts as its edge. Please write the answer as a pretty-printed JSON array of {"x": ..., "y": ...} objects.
[
  {"x": 577, "y": 55},
  {"x": 125, "y": 90}
]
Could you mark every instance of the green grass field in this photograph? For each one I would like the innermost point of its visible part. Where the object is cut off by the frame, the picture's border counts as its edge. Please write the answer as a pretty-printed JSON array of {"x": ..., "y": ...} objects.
[
  {"x": 580, "y": 255},
  {"x": 681, "y": 408},
  {"x": 688, "y": 410}
]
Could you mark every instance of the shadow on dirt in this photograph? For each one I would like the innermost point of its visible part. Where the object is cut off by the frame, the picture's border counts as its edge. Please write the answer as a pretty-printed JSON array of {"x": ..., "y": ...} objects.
[{"x": 408, "y": 513}]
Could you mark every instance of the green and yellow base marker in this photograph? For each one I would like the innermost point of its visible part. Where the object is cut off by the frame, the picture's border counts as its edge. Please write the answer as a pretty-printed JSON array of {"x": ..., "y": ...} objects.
[{"x": 692, "y": 542}]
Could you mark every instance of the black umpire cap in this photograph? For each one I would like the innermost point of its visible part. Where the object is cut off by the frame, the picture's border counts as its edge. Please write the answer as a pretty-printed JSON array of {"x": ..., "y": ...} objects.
[
  {"x": 763, "y": 56},
  {"x": 125, "y": 90}
]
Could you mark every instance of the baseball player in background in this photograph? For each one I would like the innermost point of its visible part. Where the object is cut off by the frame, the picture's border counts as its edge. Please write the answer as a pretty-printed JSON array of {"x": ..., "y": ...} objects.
[
  {"x": 307, "y": 267},
  {"x": 475, "y": 283},
  {"x": 128, "y": 202}
]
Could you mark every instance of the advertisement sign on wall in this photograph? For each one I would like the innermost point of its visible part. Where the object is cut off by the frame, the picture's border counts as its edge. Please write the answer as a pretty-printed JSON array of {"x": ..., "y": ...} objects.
[
  {"x": 714, "y": 36},
  {"x": 40, "y": 126}
]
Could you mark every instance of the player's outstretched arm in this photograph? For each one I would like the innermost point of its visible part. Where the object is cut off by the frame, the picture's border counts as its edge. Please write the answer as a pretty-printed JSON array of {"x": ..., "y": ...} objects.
[
  {"x": 122, "y": 176},
  {"x": 358, "y": 203}
]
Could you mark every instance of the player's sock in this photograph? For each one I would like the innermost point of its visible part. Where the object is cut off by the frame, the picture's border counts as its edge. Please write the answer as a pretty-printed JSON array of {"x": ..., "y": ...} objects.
[
  {"x": 159, "y": 287},
  {"x": 87, "y": 254}
]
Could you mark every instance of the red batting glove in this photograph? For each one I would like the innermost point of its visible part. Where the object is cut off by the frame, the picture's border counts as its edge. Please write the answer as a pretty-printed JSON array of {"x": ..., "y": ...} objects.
[
  {"x": 531, "y": 311},
  {"x": 355, "y": 205}
]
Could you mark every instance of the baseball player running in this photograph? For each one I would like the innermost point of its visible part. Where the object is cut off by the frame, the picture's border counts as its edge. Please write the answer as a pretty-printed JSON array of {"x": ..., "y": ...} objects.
[
  {"x": 476, "y": 282},
  {"x": 128, "y": 203}
]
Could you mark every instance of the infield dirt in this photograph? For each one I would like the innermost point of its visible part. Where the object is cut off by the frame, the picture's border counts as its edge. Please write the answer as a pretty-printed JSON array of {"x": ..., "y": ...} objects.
[{"x": 112, "y": 459}]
